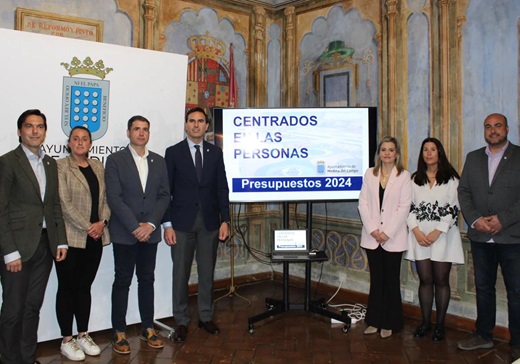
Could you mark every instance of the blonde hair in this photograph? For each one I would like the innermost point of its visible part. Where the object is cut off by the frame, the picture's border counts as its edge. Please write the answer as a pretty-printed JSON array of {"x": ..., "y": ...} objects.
[{"x": 398, "y": 163}]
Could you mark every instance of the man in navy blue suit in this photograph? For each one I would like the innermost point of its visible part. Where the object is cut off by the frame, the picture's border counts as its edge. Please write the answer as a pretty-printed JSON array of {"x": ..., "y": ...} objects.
[{"x": 197, "y": 219}]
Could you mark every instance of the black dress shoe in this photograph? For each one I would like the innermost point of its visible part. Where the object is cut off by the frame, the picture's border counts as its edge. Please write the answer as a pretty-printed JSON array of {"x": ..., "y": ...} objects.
[
  {"x": 180, "y": 333},
  {"x": 515, "y": 352},
  {"x": 438, "y": 334},
  {"x": 422, "y": 330},
  {"x": 210, "y": 327}
]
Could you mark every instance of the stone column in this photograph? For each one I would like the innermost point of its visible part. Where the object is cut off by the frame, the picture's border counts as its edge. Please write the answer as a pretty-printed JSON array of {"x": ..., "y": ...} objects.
[
  {"x": 149, "y": 24},
  {"x": 445, "y": 71},
  {"x": 258, "y": 59},
  {"x": 290, "y": 71},
  {"x": 392, "y": 65}
]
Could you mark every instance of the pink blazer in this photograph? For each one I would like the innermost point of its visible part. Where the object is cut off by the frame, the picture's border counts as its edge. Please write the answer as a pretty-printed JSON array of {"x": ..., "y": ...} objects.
[{"x": 391, "y": 218}]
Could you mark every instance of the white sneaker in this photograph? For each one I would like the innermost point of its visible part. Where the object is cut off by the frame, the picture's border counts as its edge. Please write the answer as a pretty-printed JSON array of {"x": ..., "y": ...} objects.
[
  {"x": 88, "y": 345},
  {"x": 72, "y": 351}
]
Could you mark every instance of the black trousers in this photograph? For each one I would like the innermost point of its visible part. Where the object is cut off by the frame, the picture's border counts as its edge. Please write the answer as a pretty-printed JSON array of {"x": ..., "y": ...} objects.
[
  {"x": 75, "y": 277},
  {"x": 22, "y": 295},
  {"x": 385, "y": 309}
]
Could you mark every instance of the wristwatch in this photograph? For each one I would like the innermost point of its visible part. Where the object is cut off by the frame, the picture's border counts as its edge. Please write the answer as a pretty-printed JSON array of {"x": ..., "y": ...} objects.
[{"x": 105, "y": 222}]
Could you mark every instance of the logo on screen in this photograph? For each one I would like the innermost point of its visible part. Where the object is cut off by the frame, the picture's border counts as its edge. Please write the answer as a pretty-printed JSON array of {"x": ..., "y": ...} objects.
[
  {"x": 85, "y": 100},
  {"x": 320, "y": 167}
]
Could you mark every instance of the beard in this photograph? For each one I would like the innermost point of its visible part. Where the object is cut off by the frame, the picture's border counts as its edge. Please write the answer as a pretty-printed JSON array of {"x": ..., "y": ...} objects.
[{"x": 495, "y": 142}]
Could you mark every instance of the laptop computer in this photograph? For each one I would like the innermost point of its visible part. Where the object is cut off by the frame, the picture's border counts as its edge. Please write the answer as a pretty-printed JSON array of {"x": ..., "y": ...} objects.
[{"x": 290, "y": 245}]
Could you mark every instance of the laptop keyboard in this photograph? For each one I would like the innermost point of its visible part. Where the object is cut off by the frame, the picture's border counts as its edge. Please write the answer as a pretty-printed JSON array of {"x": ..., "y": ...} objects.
[{"x": 291, "y": 256}]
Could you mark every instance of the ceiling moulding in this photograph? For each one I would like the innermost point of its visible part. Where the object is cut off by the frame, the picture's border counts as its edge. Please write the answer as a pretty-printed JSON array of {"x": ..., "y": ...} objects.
[{"x": 270, "y": 5}]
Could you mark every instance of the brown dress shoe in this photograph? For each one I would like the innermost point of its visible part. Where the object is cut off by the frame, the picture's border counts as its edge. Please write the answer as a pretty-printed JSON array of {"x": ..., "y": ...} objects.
[
  {"x": 152, "y": 338},
  {"x": 180, "y": 333},
  {"x": 210, "y": 327},
  {"x": 120, "y": 344}
]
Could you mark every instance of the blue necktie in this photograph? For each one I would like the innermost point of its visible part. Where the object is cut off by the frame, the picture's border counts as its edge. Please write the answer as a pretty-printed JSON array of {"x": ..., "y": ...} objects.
[{"x": 198, "y": 161}]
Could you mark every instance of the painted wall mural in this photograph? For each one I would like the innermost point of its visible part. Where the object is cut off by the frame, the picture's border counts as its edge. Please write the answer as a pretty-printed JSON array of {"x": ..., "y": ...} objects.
[
  {"x": 491, "y": 68},
  {"x": 212, "y": 66},
  {"x": 352, "y": 32},
  {"x": 209, "y": 74},
  {"x": 117, "y": 27}
]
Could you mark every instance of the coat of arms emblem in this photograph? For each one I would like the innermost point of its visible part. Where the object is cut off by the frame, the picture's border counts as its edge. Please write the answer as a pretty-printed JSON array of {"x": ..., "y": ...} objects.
[{"x": 86, "y": 100}]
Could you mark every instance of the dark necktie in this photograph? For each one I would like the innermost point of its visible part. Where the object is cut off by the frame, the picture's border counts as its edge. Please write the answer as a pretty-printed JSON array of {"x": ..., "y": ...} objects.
[{"x": 198, "y": 161}]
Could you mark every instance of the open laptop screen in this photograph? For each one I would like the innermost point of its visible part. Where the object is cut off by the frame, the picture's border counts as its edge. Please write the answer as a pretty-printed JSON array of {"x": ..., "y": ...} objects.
[{"x": 290, "y": 241}]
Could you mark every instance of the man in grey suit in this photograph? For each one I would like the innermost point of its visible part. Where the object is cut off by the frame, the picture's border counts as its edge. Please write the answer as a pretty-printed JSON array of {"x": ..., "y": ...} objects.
[
  {"x": 138, "y": 195},
  {"x": 489, "y": 196},
  {"x": 32, "y": 231}
]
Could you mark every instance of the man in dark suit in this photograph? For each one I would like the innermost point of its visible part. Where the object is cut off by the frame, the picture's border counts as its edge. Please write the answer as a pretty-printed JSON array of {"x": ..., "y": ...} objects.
[
  {"x": 197, "y": 219},
  {"x": 138, "y": 195},
  {"x": 489, "y": 195},
  {"x": 32, "y": 231}
]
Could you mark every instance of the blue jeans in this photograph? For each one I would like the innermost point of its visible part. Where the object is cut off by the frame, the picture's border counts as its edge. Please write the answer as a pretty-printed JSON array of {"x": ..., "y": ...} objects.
[
  {"x": 142, "y": 256},
  {"x": 486, "y": 258}
]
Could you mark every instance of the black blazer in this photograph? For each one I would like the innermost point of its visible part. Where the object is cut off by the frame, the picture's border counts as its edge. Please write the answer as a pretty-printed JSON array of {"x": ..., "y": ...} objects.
[
  {"x": 22, "y": 209},
  {"x": 477, "y": 198},
  {"x": 126, "y": 199},
  {"x": 211, "y": 194}
]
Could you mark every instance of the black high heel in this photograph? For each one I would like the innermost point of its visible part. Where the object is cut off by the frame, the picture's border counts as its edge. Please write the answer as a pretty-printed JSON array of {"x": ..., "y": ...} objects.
[
  {"x": 438, "y": 334},
  {"x": 422, "y": 330}
]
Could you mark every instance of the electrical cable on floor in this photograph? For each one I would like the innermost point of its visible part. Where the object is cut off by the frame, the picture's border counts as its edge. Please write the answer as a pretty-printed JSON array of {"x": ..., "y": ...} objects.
[{"x": 356, "y": 311}]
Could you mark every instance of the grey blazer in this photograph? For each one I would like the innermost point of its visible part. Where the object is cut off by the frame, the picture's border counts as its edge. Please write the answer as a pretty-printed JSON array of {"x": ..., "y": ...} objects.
[
  {"x": 125, "y": 196},
  {"x": 22, "y": 209},
  {"x": 477, "y": 198}
]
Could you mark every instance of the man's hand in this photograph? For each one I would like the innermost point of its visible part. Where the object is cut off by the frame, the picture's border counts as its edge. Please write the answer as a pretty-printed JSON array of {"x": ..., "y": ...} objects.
[
  {"x": 143, "y": 232},
  {"x": 169, "y": 236},
  {"x": 482, "y": 225},
  {"x": 61, "y": 254},
  {"x": 494, "y": 224},
  {"x": 223, "y": 232},
  {"x": 14, "y": 266}
]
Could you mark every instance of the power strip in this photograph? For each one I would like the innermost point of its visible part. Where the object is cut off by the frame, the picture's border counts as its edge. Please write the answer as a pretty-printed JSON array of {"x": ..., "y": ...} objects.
[{"x": 352, "y": 321}]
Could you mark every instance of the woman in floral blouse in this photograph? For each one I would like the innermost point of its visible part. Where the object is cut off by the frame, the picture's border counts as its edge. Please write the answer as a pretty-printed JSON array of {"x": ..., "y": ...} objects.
[{"x": 434, "y": 241}]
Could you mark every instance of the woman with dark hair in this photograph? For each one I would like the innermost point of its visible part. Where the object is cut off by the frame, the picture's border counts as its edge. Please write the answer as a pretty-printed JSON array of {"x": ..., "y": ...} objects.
[
  {"x": 434, "y": 241},
  {"x": 86, "y": 214},
  {"x": 384, "y": 204}
]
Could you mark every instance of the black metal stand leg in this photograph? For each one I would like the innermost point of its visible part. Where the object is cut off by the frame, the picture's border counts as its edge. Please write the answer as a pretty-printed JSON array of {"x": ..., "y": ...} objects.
[
  {"x": 319, "y": 307},
  {"x": 274, "y": 307}
]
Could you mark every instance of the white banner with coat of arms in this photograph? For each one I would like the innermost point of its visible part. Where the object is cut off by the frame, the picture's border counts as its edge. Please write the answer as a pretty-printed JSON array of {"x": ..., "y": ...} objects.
[{"x": 100, "y": 86}]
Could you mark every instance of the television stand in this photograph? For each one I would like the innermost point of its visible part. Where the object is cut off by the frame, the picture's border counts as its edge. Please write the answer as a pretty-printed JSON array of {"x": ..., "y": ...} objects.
[{"x": 276, "y": 307}]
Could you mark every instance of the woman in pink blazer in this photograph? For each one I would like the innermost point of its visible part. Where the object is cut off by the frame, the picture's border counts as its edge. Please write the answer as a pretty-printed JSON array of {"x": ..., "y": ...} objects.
[{"x": 384, "y": 204}]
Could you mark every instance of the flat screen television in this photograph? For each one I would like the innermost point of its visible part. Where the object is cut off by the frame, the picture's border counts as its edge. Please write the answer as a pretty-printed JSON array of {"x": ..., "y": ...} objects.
[{"x": 296, "y": 154}]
